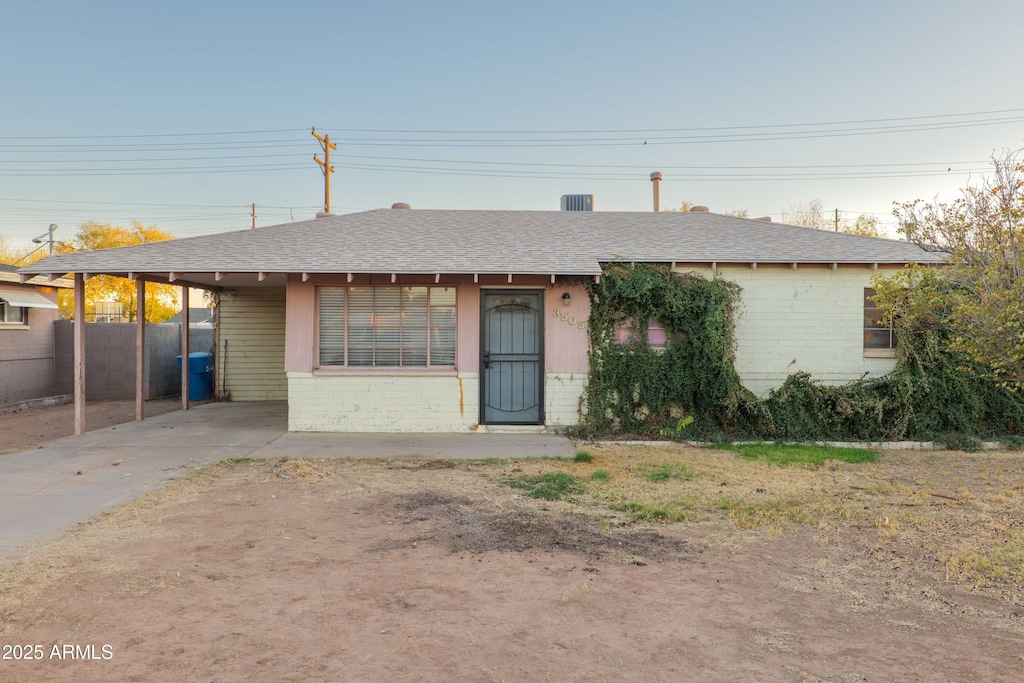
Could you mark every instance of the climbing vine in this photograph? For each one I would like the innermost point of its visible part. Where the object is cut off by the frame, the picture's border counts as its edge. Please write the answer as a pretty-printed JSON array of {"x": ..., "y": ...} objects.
[{"x": 637, "y": 389}]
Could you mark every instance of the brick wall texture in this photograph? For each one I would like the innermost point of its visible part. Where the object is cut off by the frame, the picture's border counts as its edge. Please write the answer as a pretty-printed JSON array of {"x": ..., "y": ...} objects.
[
  {"x": 110, "y": 359},
  {"x": 26, "y": 358}
]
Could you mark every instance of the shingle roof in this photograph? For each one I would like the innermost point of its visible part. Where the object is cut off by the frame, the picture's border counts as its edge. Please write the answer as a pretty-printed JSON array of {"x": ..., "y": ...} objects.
[
  {"x": 521, "y": 242},
  {"x": 9, "y": 273}
]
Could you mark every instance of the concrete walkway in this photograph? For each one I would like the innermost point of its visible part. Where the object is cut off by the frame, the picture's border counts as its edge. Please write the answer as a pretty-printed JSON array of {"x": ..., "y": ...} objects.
[{"x": 46, "y": 490}]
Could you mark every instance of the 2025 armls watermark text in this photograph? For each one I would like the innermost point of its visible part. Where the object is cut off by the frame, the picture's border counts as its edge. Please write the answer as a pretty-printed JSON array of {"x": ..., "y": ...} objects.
[{"x": 57, "y": 651}]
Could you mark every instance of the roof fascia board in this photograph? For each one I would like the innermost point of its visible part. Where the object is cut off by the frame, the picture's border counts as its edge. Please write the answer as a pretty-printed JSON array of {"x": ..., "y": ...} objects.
[{"x": 148, "y": 277}]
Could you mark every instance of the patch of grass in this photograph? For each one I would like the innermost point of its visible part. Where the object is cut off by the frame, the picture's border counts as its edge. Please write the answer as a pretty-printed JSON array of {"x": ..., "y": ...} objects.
[
  {"x": 583, "y": 456},
  {"x": 758, "y": 512},
  {"x": 667, "y": 470},
  {"x": 644, "y": 512},
  {"x": 997, "y": 561},
  {"x": 601, "y": 476},
  {"x": 549, "y": 486},
  {"x": 807, "y": 454},
  {"x": 238, "y": 461}
]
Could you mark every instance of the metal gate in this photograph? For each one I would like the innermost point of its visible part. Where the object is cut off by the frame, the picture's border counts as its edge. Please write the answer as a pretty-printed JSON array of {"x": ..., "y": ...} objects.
[{"x": 511, "y": 357}]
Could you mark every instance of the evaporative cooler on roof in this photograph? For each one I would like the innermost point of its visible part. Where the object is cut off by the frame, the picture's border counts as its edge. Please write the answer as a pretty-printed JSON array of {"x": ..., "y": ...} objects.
[{"x": 577, "y": 202}]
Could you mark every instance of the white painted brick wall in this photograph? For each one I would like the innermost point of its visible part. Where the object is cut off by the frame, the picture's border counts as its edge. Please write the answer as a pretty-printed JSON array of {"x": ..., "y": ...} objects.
[
  {"x": 562, "y": 392},
  {"x": 380, "y": 403},
  {"x": 809, "y": 319}
]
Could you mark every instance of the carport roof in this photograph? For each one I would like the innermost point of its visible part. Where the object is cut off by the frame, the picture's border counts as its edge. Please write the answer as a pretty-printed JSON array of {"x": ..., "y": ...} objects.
[{"x": 403, "y": 241}]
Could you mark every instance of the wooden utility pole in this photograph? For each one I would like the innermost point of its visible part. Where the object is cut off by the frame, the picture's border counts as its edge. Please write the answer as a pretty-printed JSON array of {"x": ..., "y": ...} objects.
[
  {"x": 254, "y": 215},
  {"x": 837, "y": 220},
  {"x": 325, "y": 142}
]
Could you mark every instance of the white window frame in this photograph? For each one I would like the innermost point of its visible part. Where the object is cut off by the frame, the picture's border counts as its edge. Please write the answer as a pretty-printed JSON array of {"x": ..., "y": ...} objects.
[
  {"x": 5, "y": 314},
  {"x": 876, "y": 352},
  {"x": 346, "y": 367}
]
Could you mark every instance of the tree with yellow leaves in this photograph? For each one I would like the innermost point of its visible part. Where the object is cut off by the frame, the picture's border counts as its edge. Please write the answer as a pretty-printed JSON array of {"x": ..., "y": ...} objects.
[
  {"x": 10, "y": 255},
  {"x": 977, "y": 300},
  {"x": 162, "y": 301}
]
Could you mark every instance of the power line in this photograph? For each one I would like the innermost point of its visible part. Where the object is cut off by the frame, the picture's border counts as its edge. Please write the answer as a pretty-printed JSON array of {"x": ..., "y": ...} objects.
[
  {"x": 842, "y": 122},
  {"x": 153, "y": 171},
  {"x": 148, "y": 135},
  {"x": 671, "y": 130},
  {"x": 928, "y": 122},
  {"x": 93, "y": 202},
  {"x": 143, "y": 147},
  {"x": 947, "y": 164},
  {"x": 102, "y": 161},
  {"x": 649, "y": 141},
  {"x": 622, "y": 177},
  {"x": 647, "y": 166}
]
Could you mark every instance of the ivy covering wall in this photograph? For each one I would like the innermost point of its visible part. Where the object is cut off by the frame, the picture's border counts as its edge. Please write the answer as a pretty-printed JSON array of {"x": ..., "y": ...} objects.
[{"x": 635, "y": 389}]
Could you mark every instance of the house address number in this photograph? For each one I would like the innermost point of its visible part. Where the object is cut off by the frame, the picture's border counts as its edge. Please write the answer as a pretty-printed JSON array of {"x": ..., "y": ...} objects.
[{"x": 571, "y": 319}]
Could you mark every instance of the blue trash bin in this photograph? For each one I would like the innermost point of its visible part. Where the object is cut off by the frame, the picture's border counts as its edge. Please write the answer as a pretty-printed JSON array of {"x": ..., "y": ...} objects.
[{"x": 200, "y": 375}]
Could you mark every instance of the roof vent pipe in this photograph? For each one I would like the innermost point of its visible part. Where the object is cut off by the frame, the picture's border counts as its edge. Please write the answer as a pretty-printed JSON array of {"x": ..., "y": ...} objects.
[
  {"x": 400, "y": 205},
  {"x": 656, "y": 182},
  {"x": 699, "y": 209}
]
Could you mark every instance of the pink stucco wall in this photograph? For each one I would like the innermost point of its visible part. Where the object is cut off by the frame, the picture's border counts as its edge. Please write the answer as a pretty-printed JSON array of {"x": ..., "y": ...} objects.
[
  {"x": 565, "y": 338},
  {"x": 565, "y": 328}
]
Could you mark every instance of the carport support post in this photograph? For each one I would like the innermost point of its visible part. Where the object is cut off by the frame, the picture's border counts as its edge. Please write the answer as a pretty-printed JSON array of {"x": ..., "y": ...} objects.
[
  {"x": 79, "y": 328},
  {"x": 184, "y": 347},
  {"x": 140, "y": 348}
]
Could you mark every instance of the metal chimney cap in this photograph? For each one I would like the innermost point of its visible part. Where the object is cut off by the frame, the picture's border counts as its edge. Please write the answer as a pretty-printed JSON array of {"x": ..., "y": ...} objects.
[
  {"x": 400, "y": 205},
  {"x": 656, "y": 175}
]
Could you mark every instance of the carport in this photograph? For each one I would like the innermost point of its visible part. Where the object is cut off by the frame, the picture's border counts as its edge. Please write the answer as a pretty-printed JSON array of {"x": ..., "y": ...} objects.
[{"x": 136, "y": 263}]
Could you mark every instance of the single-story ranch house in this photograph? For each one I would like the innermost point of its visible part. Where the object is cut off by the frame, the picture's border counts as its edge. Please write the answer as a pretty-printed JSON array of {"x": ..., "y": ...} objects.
[{"x": 430, "y": 320}]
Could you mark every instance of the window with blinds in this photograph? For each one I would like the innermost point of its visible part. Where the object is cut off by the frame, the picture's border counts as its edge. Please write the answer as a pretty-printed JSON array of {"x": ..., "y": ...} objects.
[{"x": 386, "y": 327}]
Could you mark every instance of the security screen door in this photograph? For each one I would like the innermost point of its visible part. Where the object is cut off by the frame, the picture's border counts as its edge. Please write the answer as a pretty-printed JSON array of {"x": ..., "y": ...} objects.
[{"x": 512, "y": 357}]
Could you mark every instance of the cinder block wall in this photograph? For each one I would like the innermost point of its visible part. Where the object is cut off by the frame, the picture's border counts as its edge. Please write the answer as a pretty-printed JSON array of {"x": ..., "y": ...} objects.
[
  {"x": 26, "y": 358},
  {"x": 110, "y": 359}
]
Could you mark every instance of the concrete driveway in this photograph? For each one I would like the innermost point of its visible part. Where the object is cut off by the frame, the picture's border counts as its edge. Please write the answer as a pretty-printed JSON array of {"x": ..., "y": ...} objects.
[{"x": 46, "y": 490}]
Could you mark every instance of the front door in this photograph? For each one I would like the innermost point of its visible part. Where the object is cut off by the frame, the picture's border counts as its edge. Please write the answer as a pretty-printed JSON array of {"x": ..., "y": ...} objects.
[{"x": 512, "y": 357}]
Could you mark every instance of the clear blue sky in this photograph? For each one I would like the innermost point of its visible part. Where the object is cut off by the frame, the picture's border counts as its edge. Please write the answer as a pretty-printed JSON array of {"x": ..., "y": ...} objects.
[{"x": 720, "y": 91}]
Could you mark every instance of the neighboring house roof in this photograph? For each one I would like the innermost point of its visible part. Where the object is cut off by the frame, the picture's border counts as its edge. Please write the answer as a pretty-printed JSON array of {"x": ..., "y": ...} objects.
[
  {"x": 196, "y": 316},
  {"x": 25, "y": 297},
  {"x": 10, "y": 274},
  {"x": 487, "y": 242}
]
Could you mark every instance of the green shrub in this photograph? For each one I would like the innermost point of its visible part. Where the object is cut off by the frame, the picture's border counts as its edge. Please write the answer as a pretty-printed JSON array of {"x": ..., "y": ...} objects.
[{"x": 960, "y": 442}]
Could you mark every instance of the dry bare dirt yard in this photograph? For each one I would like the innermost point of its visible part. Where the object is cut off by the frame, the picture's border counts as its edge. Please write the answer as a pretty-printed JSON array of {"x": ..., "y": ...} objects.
[
  {"x": 909, "y": 569},
  {"x": 27, "y": 428}
]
